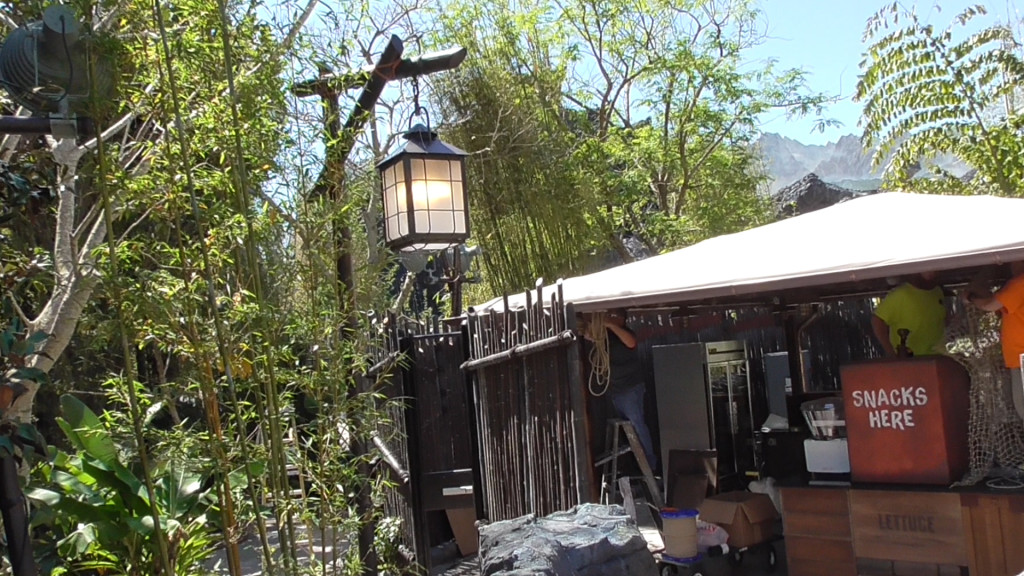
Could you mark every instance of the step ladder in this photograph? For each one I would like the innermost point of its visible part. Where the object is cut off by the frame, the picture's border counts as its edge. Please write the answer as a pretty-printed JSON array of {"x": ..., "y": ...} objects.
[{"x": 610, "y": 493}]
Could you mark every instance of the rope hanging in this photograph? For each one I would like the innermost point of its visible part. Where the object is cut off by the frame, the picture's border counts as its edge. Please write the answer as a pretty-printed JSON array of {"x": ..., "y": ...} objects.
[{"x": 600, "y": 361}]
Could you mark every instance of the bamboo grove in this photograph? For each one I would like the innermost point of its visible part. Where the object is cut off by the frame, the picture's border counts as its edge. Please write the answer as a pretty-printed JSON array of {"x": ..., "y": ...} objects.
[{"x": 168, "y": 284}]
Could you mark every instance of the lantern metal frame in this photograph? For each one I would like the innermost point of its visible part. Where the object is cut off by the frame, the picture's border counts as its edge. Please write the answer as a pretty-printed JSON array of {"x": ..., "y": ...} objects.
[{"x": 408, "y": 216}]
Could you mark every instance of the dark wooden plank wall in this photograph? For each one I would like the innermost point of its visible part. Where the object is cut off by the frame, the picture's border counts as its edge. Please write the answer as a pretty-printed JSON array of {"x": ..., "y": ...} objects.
[
  {"x": 841, "y": 334},
  {"x": 426, "y": 387},
  {"x": 441, "y": 403}
]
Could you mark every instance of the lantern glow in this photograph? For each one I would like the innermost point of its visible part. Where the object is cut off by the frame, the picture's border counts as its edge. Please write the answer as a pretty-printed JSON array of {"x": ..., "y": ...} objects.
[{"x": 424, "y": 196}]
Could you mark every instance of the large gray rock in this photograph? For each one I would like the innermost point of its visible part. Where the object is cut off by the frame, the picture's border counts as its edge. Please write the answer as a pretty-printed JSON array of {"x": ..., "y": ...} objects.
[{"x": 589, "y": 540}]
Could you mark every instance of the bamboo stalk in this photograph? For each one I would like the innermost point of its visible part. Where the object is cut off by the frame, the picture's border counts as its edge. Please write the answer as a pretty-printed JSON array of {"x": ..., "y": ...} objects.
[
  {"x": 130, "y": 375},
  {"x": 230, "y": 522},
  {"x": 267, "y": 351}
]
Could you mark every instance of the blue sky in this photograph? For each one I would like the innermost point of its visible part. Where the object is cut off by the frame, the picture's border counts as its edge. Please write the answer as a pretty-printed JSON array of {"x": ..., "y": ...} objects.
[{"x": 824, "y": 38}]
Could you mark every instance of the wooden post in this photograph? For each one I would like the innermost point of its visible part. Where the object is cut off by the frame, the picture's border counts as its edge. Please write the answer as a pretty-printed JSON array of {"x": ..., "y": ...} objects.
[
  {"x": 389, "y": 66},
  {"x": 580, "y": 417},
  {"x": 421, "y": 539},
  {"x": 15, "y": 516}
]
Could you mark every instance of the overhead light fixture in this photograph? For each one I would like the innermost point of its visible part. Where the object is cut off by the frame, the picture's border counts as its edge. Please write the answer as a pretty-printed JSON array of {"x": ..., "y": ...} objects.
[{"x": 43, "y": 67}]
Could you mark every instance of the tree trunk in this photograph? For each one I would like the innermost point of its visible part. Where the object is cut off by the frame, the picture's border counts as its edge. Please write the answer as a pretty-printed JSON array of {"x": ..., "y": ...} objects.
[{"x": 75, "y": 279}]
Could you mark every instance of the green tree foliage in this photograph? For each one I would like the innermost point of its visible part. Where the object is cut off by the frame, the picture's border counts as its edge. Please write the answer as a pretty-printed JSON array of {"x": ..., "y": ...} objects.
[
  {"x": 529, "y": 204},
  {"x": 928, "y": 91},
  {"x": 591, "y": 120},
  {"x": 175, "y": 279}
]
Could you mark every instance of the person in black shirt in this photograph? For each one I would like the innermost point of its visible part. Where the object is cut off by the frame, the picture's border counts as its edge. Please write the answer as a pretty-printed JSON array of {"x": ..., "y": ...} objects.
[{"x": 626, "y": 386}]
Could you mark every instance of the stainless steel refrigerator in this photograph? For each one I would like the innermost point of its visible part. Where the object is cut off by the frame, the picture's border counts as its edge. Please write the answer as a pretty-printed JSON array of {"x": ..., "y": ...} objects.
[{"x": 704, "y": 402}]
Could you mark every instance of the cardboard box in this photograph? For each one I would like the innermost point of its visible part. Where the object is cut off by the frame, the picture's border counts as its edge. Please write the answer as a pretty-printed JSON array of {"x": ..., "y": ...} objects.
[
  {"x": 463, "y": 523},
  {"x": 748, "y": 517}
]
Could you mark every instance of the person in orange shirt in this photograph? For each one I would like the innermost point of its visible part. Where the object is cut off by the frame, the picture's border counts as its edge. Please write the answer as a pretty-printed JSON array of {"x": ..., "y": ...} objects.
[{"x": 1009, "y": 302}]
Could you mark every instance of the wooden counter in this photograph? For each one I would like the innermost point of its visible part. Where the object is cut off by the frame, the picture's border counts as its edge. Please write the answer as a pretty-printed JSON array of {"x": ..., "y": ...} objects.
[
  {"x": 902, "y": 532},
  {"x": 816, "y": 523}
]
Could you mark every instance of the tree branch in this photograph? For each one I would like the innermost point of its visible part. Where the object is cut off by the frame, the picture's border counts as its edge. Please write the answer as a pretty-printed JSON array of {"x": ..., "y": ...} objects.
[
  {"x": 10, "y": 141},
  {"x": 17, "y": 309},
  {"x": 7, "y": 22},
  {"x": 119, "y": 125},
  {"x": 299, "y": 24},
  {"x": 63, "y": 256},
  {"x": 139, "y": 220},
  {"x": 109, "y": 18}
]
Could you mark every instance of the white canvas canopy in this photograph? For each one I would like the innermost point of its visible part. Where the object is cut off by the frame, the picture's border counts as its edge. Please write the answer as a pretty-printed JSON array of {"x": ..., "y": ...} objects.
[{"x": 868, "y": 238}]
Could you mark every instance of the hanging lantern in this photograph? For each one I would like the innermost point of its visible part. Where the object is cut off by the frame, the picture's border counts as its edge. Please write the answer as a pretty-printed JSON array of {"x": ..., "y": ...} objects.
[{"x": 425, "y": 203}]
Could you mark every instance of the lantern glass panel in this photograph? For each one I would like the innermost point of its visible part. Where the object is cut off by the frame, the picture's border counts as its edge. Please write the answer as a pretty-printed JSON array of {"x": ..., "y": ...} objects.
[
  {"x": 394, "y": 195},
  {"x": 422, "y": 221},
  {"x": 419, "y": 170},
  {"x": 457, "y": 195},
  {"x": 431, "y": 195},
  {"x": 439, "y": 196},
  {"x": 393, "y": 228},
  {"x": 401, "y": 181},
  {"x": 442, "y": 221},
  {"x": 438, "y": 170}
]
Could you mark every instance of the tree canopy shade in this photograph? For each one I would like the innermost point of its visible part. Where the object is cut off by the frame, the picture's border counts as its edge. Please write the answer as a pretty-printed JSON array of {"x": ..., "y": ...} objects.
[
  {"x": 928, "y": 91},
  {"x": 596, "y": 120}
]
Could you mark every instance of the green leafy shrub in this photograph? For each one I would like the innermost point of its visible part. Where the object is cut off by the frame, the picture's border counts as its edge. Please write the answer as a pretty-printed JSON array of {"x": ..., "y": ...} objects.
[{"x": 95, "y": 514}]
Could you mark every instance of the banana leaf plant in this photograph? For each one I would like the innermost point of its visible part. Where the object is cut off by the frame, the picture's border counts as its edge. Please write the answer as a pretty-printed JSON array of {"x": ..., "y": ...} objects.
[{"x": 97, "y": 509}]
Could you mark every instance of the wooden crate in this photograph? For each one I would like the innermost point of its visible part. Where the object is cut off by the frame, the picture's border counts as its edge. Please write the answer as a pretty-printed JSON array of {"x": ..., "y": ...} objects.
[
  {"x": 922, "y": 527},
  {"x": 994, "y": 525},
  {"x": 816, "y": 522}
]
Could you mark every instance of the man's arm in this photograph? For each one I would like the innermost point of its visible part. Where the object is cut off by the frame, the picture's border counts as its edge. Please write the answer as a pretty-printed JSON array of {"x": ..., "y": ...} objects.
[
  {"x": 625, "y": 335},
  {"x": 881, "y": 330},
  {"x": 987, "y": 302}
]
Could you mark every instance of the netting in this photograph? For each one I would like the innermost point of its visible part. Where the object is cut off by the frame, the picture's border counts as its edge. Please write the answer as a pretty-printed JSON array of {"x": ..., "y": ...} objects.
[{"x": 995, "y": 431}]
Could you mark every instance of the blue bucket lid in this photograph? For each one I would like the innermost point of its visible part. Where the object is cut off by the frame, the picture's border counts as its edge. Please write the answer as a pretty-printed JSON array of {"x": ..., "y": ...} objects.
[
  {"x": 677, "y": 513},
  {"x": 682, "y": 561}
]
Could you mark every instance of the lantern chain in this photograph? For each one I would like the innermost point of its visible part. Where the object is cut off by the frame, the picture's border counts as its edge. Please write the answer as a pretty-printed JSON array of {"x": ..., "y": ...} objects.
[{"x": 417, "y": 108}]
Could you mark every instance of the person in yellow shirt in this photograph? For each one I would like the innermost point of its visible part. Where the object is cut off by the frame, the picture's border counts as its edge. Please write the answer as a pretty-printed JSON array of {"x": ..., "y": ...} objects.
[{"x": 918, "y": 307}]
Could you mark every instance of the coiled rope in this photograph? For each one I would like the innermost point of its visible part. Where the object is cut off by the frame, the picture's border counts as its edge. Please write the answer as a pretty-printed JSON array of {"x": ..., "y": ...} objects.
[{"x": 600, "y": 361}]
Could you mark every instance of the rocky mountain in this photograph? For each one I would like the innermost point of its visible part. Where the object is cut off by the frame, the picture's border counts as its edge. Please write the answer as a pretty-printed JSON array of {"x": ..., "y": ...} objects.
[{"x": 844, "y": 163}]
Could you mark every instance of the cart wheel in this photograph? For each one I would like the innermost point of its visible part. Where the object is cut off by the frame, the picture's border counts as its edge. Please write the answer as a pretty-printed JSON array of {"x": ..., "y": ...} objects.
[
  {"x": 736, "y": 558},
  {"x": 772, "y": 558},
  {"x": 668, "y": 570}
]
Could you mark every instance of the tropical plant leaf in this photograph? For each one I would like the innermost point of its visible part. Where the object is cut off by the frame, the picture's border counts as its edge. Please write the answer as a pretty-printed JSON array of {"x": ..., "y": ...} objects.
[
  {"x": 42, "y": 495},
  {"x": 79, "y": 541},
  {"x": 85, "y": 431}
]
